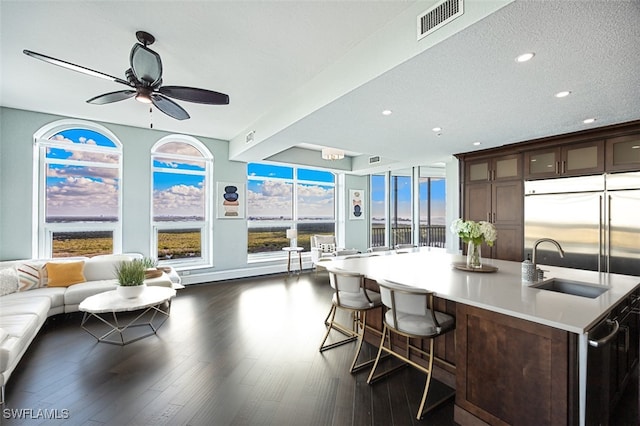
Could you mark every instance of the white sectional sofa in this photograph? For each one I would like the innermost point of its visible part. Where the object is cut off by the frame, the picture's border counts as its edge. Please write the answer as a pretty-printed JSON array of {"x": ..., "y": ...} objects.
[{"x": 27, "y": 300}]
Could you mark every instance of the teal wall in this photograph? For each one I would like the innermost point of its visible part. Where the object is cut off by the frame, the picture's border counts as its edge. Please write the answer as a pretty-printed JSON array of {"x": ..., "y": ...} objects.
[
  {"x": 17, "y": 128},
  {"x": 356, "y": 231}
]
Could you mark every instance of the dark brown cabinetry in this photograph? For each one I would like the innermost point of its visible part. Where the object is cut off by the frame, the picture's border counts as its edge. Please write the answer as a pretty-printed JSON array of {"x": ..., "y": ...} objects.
[
  {"x": 568, "y": 160},
  {"x": 497, "y": 199},
  {"x": 512, "y": 371},
  {"x": 492, "y": 180},
  {"x": 623, "y": 153},
  {"x": 506, "y": 167}
]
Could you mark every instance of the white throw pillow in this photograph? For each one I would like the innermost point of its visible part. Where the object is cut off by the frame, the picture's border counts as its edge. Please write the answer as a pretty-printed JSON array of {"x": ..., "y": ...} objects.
[
  {"x": 327, "y": 248},
  {"x": 31, "y": 275},
  {"x": 8, "y": 281}
]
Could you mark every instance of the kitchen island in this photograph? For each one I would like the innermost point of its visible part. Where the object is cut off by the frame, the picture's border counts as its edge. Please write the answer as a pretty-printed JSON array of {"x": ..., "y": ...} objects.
[{"x": 520, "y": 352}]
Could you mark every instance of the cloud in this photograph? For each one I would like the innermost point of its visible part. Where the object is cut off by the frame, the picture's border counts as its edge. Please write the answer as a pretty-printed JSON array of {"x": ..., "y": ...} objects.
[
  {"x": 81, "y": 196},
  {"x": 272, "y": 199},
  {"x": 179, "y": 200},
  {"x": 104, "y": 173},
  {"x": 275, "y": 199}
]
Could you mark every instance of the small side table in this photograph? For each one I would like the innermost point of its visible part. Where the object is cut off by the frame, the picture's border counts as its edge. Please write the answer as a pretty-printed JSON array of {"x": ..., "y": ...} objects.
[{"x": 290, "y": 250}]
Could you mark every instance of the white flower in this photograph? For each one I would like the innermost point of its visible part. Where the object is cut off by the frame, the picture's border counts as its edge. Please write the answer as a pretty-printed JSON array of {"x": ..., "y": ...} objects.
[{"x": 477, "y": 232}]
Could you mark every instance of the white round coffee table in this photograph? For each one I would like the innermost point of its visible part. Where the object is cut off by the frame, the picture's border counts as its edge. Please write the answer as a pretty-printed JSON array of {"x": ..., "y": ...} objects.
[{"x": 154, "y": 305}]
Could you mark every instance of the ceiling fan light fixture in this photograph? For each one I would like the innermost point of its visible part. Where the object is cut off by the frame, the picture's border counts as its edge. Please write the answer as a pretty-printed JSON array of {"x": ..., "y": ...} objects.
[
  {"x": 143, "y": 97},
  {"x": 332, "y": 154}
]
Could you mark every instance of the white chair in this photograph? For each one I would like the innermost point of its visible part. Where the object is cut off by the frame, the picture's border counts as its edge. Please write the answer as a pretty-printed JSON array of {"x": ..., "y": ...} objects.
[
  {"x": 350, "y": 295},
  {"x": 322, "y": 247},
  {"x": 410, "y": 314}
]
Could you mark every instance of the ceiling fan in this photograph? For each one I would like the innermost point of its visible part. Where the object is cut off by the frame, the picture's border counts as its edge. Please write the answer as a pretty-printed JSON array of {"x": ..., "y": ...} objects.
[{"x": 144, "y": 80}]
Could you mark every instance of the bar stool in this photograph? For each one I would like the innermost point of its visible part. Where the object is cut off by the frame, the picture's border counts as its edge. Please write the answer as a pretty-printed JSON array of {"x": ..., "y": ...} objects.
[
  {"x": 410, "y": 313},
  {"x": 350, "y": 295}
]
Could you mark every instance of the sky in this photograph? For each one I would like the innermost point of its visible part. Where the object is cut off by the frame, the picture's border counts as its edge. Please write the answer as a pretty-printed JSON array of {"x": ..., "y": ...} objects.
[
  {"x": 85, "y": 185},
  {"x": 89, "y": 188},
  {"x": 88, "y": 185},
  {"x": 270, "y": 192},
  {"x": 404, "y": 199}
]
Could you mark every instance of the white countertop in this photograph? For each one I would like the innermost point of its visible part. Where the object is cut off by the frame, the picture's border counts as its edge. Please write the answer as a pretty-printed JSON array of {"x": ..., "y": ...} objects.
[{"x": 501, "y": 291}]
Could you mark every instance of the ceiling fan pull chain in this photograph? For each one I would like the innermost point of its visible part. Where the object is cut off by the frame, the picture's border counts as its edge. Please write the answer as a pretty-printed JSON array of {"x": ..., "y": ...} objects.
[{"x": 151, "y": 117}]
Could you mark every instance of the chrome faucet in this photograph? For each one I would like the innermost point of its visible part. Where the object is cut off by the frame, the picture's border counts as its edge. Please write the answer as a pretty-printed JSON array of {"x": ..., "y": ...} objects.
[{"x": 542, "y": 240}]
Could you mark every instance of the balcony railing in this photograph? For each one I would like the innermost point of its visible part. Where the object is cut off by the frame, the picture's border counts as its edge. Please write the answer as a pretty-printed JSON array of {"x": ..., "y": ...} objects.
[{"x": 433, "y": 236}]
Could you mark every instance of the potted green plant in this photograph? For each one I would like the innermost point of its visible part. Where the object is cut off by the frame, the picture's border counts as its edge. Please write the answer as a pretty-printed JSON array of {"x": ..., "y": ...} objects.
[{"x": 131, "y": 275}]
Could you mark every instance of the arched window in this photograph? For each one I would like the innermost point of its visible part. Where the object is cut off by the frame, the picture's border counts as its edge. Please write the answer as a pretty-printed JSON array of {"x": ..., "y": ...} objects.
[
  {"x": 78, "y": 195},
  {"x": 182, "y": 209}
]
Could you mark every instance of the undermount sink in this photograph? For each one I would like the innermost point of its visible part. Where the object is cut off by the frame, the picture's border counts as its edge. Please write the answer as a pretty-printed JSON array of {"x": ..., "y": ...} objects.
[{"x": 574, "y": 288}]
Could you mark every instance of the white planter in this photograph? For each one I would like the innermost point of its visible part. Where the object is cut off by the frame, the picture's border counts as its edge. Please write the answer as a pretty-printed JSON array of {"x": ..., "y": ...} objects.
[{"x": 130, "y": 292}]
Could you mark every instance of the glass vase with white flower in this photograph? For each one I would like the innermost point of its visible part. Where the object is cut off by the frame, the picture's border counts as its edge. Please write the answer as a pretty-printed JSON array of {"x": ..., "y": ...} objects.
[{"x": 474, "y": 234}]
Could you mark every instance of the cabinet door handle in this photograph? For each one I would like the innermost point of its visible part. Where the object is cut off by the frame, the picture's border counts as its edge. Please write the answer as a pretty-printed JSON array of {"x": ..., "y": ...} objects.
[
  {"x": 494, "y": 218},
  {"x": 488, "y": 216},
  {"x": 557, "y": 167},
  {"x": 564, "y": 167},
  {"x": 607, "y": 338}
]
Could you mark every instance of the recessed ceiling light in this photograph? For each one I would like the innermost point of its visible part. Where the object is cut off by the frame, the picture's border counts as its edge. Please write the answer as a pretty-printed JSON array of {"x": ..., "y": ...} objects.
[
  {"x": 387, "y": 112},
  {"x": 476, "y": 143},
  {"x": 563, "y": 94},
  {"x": 437, "y": 129},
  {"x": 525, "y": 57},
  {"x": 589, "y": 120}
]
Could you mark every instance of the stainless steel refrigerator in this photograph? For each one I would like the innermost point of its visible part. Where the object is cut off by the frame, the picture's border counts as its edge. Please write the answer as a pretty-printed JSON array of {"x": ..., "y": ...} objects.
[{"x": 596, "y": 220}]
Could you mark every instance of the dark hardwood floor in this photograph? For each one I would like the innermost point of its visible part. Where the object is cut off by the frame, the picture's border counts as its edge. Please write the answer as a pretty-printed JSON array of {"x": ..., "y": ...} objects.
[{"x": 242, "y": 352}]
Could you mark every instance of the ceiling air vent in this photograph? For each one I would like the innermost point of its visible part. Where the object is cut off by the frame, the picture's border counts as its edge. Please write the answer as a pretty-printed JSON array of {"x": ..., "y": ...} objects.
[
  {"x": 442, "y": 13},
  {"x": 250, "y": 136},
  {"x": 374, "y": 160}
]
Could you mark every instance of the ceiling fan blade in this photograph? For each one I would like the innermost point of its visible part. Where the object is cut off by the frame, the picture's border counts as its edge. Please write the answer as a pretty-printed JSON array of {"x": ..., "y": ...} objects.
[
  {"x": 146, "y": 65},
  {"x": 107, "y": 98},
  {"x": 74, "y": 67},
  {"x": 192, "y": 94},
  {"x": 169, "y": 107}
]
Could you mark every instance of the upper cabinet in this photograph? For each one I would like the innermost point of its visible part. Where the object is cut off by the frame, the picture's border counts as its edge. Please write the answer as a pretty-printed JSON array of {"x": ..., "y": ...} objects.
[
  {"x": 506, "y": 167},
  {"x": 568, "y": 160},
  {"x": 623, "y": 153}
]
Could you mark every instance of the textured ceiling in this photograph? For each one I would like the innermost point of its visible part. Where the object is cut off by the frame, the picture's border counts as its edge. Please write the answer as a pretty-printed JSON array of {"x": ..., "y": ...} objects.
[{"x": 307, "y": 74}]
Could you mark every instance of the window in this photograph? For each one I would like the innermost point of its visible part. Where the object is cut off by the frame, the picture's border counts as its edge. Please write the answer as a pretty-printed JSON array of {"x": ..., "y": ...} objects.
[
  {"x": 395, "y": 220},
  {"x": 401, "y": 215},
  {"x": 378, "y": 210},
  {"x": 78, "y": 195},
  {"x": 432, "y": 212},
  {"x": 280, "y": 198},
  {"x": 182, "y": 206}
]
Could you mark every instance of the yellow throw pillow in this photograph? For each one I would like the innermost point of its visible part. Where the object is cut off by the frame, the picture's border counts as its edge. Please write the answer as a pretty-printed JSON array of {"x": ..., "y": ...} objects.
[{"x": 64, "y": 274}]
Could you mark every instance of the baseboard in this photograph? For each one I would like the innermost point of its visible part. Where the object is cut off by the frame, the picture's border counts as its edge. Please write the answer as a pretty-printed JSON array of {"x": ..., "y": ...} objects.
[{"x": 230, "y": 274}]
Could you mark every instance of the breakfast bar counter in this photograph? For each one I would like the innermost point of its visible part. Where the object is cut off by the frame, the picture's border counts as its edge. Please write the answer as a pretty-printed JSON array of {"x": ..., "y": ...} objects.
[
  {"x": 502, "y": 291},
  {"x": 520, "y": 352}
]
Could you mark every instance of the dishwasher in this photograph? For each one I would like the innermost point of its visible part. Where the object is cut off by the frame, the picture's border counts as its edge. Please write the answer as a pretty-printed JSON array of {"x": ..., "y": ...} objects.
[{"x": 612, "y": 358}]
